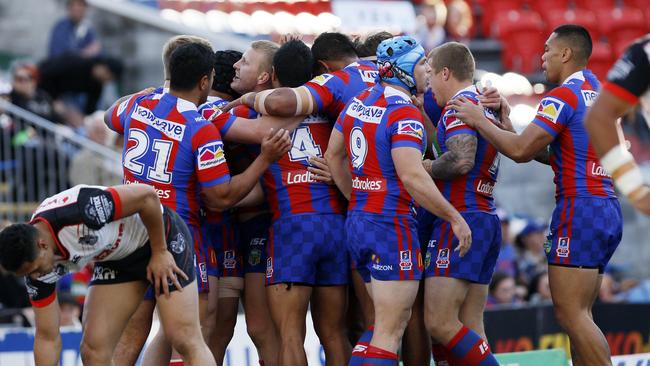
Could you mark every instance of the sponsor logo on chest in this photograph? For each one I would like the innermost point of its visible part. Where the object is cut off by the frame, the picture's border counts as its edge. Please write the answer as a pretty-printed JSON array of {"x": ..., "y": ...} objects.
[
  {"x": 298, "y": 177},
  {"x": 173, "y": 130}
]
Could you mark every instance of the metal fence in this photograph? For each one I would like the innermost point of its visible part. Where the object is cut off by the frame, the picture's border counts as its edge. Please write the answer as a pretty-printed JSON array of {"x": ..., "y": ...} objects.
[{"x": 37, "y": 157}]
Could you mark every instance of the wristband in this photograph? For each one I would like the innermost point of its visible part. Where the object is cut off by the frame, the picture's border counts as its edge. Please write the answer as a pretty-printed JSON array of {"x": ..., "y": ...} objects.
[{"x": 616, "y": 158}]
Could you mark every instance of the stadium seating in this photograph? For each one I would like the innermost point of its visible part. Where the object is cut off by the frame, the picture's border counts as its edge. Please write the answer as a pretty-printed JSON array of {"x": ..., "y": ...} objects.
[
  {"x": 586, "y": 18},
  {"x": 522, "y": 34},
  {"x": 595, "y": 4},
  {"x": 621, "y": 26},
  {"x": 549, "y": 6},
  {"x": 490, "y": 10},
  {"x": 602, "y": 58}
]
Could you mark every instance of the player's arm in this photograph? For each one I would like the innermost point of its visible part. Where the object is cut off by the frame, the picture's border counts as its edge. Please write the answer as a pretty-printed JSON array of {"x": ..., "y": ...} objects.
[
  {"x": 520, "y": 148},
  {"x": 605, "y": 136},
  {"x": 113, "y": 113},
  {"x": 457, "y": 161},
  {"x": 336, "y": 158},
  {"x": 47, "y": 340},
  {"x": 281, "y": 102},
  {"x": 223, "y": 196},
  {"x": 253, "y": 131},
  {"x": 143, "y": 200},
  {"x": 253, "y": 198},
  {"x": 420, "y": 186}
]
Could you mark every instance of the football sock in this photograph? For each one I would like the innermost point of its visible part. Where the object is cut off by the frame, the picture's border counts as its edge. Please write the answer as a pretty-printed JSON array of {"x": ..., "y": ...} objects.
[
  {"x": 468, "y": 347},
  {"x": 359, "y": 350},
  {"x": 378, "y": 357}
]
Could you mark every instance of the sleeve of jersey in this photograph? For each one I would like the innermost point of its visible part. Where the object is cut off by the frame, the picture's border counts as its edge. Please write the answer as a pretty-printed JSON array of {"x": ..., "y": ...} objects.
[
  {"x": 629, "y": 78},
  {"x": 243, "y": 111},
  {"x": 210, "y": 157},
  {"x": 323, "y": 88},
  {"x": 453, "y": 126},
  {"x": 97, "y": 207},
  {"x": 118, "y": 114},
  {"x": 338, "y": 125},
  {"x": 555, "y": 109},
  {"x": 41, "y": 294},
  {"x": 406, "y": 128},
  {"x": 222, "y": 121}
]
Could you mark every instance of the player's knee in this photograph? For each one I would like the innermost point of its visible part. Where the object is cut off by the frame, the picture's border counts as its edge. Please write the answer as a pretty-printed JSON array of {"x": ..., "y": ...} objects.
[
  {"x": 184, "y": 338},
  {"x": 436, "y": 324},
  {"x": 259, "y": 330},
  {"x": 94, "y": 353},
  {"x": 567, "y": 315}
]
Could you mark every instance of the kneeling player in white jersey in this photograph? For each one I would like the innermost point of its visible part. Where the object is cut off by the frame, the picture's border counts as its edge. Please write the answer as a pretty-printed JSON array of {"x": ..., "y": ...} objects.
[{"x": 133, "y": 241}]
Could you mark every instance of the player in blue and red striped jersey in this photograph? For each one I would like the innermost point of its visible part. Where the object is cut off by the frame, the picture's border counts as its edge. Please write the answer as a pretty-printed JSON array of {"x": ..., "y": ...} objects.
[
  {"x": 307, "y": 259},
  {"x": 382, "y": 133},
  {"x": 465, "y": 171},
  {"x": 170, "y": 146},
  {"x": 344, "y": 76},
  {"x": 587, "y": 225}
]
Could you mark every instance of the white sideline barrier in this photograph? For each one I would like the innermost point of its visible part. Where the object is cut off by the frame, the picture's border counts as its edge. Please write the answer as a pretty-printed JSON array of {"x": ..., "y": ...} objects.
[{"x": 16, "y": 346}]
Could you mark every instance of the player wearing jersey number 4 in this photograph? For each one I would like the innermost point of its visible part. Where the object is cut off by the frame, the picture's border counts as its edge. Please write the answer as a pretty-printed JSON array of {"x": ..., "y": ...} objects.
[
  {"x": 381, "y": 132},
  {"x": 132, "y": 239},
  {"x": 628, "y": 83},
  {"x": 587, "y": 224}
]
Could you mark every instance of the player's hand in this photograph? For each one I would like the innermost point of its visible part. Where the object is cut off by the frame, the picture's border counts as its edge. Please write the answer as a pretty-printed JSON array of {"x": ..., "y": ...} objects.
[
  {"x": 468, "y": 112},
  {"x": 464, "y": 235},
  {"x": 490, "y": 98},
  {"x": 643, "y": 203},
  {"x": 320, "y": 170},
  {"x": 275, "y": 145},
  {"x": 243, "y": 100},
  {"x": 162, "y": 271}
]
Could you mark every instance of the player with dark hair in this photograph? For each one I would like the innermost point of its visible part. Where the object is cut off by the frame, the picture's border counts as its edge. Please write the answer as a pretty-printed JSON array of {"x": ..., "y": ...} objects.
[
  {"x": 223, "y": 74},
  {"x": 367, "y": 50},
  {"x": 628, "y": 83},
  {"x": 382, "y": 133},
  {"x": 587, "y": 224},
  {"x": 185, "y": 161},
  {"x": 133, "y": 240},
  {"x": 332, "y": 51},
  {"x": 308, "y": 223},
  {"x": 465, "y": 170}
]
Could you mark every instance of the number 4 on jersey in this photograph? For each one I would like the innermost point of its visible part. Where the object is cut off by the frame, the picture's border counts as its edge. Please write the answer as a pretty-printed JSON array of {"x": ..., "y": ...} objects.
[{"x": 303, "y": 145}]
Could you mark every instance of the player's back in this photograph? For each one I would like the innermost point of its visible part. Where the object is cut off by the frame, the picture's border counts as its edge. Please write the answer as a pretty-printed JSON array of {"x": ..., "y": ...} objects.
[
  {"x": 471, "y": 192},
  {"x": 334, "y": 90},
  {"x": 561, "y": 113},
  {"x": 167, "y": 143},
  {"x": 373, "y": 123},
  {"x": 290, "y": 187}
]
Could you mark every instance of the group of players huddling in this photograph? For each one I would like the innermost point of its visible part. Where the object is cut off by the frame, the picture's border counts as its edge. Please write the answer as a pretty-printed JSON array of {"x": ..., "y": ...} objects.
[{"x": 286, "y": 173}]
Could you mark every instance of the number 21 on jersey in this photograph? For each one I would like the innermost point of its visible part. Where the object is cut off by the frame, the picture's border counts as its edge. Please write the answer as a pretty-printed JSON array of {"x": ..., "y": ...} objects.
[{"x": 134, "y": 156}]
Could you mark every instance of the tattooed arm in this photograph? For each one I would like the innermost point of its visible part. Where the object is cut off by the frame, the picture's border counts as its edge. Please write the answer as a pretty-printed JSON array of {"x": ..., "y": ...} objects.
[{"x": 458, "y": 160}]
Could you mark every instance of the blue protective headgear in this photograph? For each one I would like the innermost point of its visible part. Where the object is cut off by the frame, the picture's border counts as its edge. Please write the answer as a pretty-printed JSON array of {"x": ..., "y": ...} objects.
[{"x": 396, "y": 59}]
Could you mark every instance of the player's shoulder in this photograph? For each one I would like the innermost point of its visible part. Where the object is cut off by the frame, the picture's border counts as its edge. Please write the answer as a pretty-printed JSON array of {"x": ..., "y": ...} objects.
[{"x": 565, "y": 94}]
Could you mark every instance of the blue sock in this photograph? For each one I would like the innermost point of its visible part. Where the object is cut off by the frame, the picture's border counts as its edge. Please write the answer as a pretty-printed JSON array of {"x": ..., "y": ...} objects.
[
  {"x": 378, "y": 357},
  {"x": 359, "y": 351}
]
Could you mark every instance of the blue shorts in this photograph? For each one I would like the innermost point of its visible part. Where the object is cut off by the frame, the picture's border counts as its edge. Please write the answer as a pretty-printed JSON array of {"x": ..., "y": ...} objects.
[
  {"x": 307, "y": 249},
  {"x": 224, "y": 257},
  {"x": 384, "y": 247},
  {"x": 253, "y": 236},
  {"x": 425, "y": 221},
  {"x": 477, "y": 266},
  {"x": 584, "y": 232}
]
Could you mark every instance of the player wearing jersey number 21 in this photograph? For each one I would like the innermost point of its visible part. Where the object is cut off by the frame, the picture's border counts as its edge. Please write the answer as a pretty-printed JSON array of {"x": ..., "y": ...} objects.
[{"x": 381, "y": 132}]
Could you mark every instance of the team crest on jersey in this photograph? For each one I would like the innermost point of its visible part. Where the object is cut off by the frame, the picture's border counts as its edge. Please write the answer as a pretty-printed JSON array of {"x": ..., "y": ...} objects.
[
  {"x": 405, "y": 262},
  {"x": 563, "y": 244},
  {"x": 211, "y": 112},
  {"x": 255, "y": 257},
  {"x": 229, "y": 260},
  {"x": 550, "y": 108},
  {"x": 178, "y": 244},
  {"x": 210, "y": 155},
  {"x": 443, "y": 258},
  {"x": 411, "y": 127},
  {"x": 269, "y": 267},
  {"x": 88, "y": 239},
  {"x": 322, "y": 79}
]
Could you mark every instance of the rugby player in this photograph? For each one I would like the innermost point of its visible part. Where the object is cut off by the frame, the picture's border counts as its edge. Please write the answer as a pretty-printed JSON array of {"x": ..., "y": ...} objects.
[
  {"x": 465, "y": 171},
  {"x": 587, "y": 225},
  {"x": 182, "y": 160},
  {"x": 382, "y": 133},
  {"x": 306, "y": 253},
  {"x": 628, "y": 83},
  {"x": 133, "y": 240}
]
